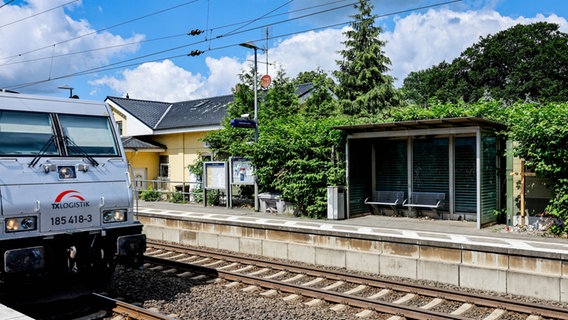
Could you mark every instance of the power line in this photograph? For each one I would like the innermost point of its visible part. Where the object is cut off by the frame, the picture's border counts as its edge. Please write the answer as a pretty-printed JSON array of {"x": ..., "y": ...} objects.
[
  {"x": 34, "y": 15},
  {"x": 234, "y": 32},
  {"x": 103, "y": 29},
  {"x": 7, "y": 3},
  {"x": 120, "y": 64}
]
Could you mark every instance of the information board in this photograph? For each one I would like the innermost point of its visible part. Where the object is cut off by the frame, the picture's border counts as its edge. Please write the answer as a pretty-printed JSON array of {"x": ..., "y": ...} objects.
[
  {"x": 242, "y": 171},
  {"x": 215, "y": 175}
]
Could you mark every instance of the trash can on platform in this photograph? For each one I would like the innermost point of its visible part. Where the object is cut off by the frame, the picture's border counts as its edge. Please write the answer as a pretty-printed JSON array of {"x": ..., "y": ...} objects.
[{"x": 335, "y": 202}]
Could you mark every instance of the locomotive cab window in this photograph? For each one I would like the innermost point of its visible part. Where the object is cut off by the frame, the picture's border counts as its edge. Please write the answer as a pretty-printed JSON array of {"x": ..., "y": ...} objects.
[
  {"x": 88, "y": 135},
  {"x": 26, "y": 133}
]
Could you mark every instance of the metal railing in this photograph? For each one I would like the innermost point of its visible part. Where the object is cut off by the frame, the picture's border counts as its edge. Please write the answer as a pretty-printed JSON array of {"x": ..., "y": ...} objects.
[{"x": 164, "y": 189}]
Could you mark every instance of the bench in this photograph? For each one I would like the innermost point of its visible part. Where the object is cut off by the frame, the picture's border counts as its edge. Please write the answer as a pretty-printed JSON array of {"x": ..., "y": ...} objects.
[
  {"x": 428, "y": 200},
  {"x": 385, "y": 198}
]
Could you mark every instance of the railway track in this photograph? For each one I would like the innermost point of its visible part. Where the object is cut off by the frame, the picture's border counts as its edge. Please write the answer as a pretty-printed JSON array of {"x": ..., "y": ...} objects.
[
  {"x": 127, "y": 310},
  {"x": 371, "y": 295}
]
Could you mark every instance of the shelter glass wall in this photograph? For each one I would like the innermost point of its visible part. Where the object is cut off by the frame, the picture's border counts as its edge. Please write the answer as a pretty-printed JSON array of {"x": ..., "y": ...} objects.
[
  {"x": 391, "y": 173},
  {"x": 489, "y": 178},
  {"x": 465, "y": 174},
  {"x": 359, "y": 175},
  {"x": 430, "y": 166}
]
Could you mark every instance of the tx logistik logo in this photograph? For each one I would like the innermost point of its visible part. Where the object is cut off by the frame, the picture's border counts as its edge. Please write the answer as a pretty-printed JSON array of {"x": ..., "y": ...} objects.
[{"x": 69, "y": 197}]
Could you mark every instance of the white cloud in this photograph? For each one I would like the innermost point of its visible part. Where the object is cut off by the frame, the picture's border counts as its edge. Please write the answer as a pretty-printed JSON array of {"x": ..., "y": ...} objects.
[
  {"x": 420, "y": 41},
  {"x": 307, "y": 51},
  {"x": 47, "y": 44},
  {"x": 155, "y": 81}
]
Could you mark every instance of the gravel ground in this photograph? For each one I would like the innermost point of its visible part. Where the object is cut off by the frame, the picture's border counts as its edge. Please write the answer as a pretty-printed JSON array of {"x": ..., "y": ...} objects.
[
  {"x": 185, "y": 299},
  {"x": 190, "y": 299}
]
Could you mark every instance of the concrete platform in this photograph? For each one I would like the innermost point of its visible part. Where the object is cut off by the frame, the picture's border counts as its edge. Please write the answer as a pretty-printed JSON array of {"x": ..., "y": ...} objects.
[
  {"x": 7, "y": 313},
  {"x": 453, "y": 252}
]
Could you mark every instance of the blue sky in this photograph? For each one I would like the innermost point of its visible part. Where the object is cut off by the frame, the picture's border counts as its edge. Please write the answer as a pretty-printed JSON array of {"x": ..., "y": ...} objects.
[{"x": 111, "y": 48}]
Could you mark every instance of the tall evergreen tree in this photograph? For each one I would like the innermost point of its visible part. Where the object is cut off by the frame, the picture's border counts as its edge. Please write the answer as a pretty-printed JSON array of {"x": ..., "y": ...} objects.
[{"x": 363, "y": 83}]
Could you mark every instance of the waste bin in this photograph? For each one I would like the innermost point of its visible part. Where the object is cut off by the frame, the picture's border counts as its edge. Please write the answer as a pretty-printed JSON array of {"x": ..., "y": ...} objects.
[
  {"x": 268, "y": 202},
  {"x": 335, "y": 202}
]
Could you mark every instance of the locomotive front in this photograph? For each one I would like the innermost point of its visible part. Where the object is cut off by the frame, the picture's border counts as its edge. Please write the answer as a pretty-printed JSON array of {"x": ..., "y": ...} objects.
[{"x": 66, "y": 193}]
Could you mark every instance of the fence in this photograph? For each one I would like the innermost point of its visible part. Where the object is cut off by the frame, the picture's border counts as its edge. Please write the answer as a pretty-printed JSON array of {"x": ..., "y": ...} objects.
[{"x": 163, "y": 189}]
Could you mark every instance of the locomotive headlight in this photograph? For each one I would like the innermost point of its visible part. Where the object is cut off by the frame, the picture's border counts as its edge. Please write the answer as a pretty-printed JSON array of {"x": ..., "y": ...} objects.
[
  {"x": 117, "y": 215},
  {"x": 21, "y": 224}
]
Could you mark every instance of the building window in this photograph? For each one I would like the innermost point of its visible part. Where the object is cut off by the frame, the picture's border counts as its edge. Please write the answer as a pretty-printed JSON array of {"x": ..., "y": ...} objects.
[
  {"x": 164, "y": 166},
  {"x": 119, "y": 126}
]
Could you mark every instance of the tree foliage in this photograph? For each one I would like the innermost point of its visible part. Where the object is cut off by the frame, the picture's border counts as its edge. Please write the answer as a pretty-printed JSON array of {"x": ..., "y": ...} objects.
[
  {"x": 364, "y": 85},
  {"x": 524, "y": 62},
  {"x": 298, "y": 153},
  {"x": 542, "y": 137}
]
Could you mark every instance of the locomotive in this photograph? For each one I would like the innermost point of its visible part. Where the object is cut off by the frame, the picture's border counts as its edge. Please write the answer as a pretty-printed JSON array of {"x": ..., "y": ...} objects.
[{"x": 66, "y": 197}]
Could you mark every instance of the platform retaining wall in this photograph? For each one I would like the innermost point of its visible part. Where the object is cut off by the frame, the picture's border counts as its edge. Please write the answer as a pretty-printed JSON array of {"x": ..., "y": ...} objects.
[{"x": 515, "y": 271}]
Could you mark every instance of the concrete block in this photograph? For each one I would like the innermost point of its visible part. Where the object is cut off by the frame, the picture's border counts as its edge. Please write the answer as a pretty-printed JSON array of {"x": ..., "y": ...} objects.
[
  {"x": 228, "y": 243},
  {"x": 540, "y": 266},
  {"x": 362, "y": 261},
  {"x": 275, "y": 249},
  {"x": 169, "y": 234},
  {"x": 483, "y": 278},
  {"x": 564, "y": 290},
  {"x": 398, "y": 266},
  {"x": 250, "y": 246},
  {"x": 188, "y": 237},
  {"x": 208, "y": 240},
  {"x": 302, "y": 253},
  {"x": 370, "y": 246},
  {"x": 153, "y": 232},
  {"x": 401, "y": 249},
  {"x": 488, "y": 260},
  {"x": 437, "y": 254},
  {"x": 253, "y": 233},
  {"x": 227, "y": 230},
  {"x": 438, "y": 271},
  {"x": 533, "y": 285},
  {"x": 324, "y": 241},
  {"x": 330, "y": 257}
]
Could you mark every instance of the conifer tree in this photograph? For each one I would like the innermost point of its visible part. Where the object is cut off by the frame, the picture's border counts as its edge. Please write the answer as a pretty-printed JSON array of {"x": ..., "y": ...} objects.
[{"x": 363, "y": 83}]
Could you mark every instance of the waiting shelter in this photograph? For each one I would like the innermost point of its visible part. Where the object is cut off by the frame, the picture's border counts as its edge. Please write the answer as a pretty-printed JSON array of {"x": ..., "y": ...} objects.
[{"x": 449, "y": 168}]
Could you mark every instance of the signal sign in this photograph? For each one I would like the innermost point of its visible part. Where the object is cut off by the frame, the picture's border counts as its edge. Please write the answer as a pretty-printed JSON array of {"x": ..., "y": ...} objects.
[{"x": 243, "y": 123}]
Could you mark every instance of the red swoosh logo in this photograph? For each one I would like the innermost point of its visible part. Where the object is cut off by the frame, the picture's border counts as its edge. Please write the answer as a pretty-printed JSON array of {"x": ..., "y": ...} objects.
[{"x": 74, "y": 194}]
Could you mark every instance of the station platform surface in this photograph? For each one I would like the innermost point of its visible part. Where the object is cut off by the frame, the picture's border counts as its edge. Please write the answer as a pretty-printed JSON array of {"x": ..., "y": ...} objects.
[
  {"x": 10, "y": 314},
  {"x": 501, "y": 236}
]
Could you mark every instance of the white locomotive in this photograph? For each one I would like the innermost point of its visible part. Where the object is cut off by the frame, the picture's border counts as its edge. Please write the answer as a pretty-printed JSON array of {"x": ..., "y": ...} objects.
[{"x": 65, "y": 191}]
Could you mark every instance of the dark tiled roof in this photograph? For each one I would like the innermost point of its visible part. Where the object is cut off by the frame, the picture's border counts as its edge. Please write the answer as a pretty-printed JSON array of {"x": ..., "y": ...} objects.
[
  {"x": 140, "y": 143},
  {"x": 196, "y": 113},
  {"x": 184, "y": 114},
  {"x": 149, "y": 112},
  {"x": 302, "y": 89}
]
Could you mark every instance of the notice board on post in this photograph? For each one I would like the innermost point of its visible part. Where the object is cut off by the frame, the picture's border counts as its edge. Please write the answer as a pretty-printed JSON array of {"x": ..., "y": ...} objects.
[
  {"x": 242, "y": 171},
  {"x": 215, "y": 176}
]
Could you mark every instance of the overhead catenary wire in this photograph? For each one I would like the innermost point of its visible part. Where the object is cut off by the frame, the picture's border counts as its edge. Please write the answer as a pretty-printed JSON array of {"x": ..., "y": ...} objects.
[
  {"x": 121, "y": 64},
  {"x": 36, "y": 14},
  {"x": 169, "y": 36},
  {"x": 103, "y": 29}
]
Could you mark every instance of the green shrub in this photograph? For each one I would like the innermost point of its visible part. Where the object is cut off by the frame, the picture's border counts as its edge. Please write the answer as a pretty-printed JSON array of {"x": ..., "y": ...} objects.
[
  {"x": 150, "y": 195},
  {"x": 177, "y": 197}
]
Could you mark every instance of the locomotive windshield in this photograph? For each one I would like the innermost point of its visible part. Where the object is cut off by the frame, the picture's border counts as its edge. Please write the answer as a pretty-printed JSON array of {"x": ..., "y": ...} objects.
[
  {"x": 88, "y": 135},
  {"x": 26, "y": 133},
  {"x": 33, "y": 134}
]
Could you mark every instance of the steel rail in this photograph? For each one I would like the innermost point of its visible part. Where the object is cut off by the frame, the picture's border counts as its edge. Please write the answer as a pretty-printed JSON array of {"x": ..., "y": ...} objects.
[
  {"x": 546, "y": 311},
  {"x": 130, "y": 310}
]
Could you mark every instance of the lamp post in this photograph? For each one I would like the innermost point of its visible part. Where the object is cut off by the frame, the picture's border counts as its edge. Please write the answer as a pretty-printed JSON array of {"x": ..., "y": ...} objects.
[
  {"x": 67, "y": 87},
  {"x": 251, "y": 45}
]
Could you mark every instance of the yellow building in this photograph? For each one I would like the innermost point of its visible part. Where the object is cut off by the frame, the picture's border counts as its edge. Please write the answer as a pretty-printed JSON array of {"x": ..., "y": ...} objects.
[{"x": 161, "y": 138}]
